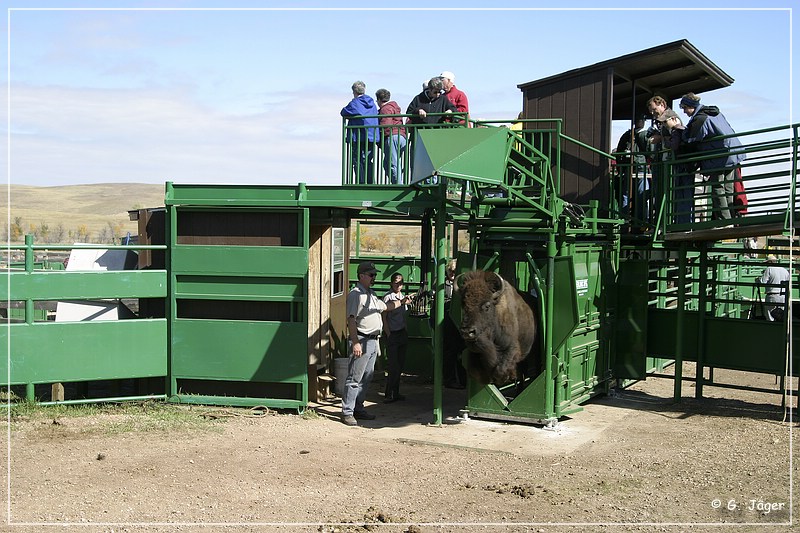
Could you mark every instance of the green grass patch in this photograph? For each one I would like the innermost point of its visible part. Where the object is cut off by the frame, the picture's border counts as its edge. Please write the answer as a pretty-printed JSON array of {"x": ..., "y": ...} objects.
[{"x": 114, "y": 418}]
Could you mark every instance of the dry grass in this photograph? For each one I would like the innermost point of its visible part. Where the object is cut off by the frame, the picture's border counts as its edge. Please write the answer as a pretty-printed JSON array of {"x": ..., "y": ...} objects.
[{"x": 95, "y": 206}]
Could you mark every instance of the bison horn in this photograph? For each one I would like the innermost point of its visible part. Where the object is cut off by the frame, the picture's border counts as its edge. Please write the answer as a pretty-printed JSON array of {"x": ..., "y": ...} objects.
[{"x": 493, "y": 278}]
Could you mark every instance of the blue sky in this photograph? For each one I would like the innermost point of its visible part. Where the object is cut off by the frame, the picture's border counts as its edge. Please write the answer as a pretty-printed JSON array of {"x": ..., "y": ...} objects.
[{"x": 180, "y": 91}]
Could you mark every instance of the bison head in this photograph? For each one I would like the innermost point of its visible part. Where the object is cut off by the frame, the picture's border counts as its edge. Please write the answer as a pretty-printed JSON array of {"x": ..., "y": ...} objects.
[{"x": 480, "y": 292}]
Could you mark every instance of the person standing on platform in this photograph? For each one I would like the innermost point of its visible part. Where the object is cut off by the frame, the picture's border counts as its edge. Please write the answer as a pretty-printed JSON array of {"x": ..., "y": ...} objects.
[
  {"x": 706, "y": 124},
  {"x": 393, "y": 136},
  {"x": 360, "y": 135},
  {"x": 453, "y": 93}
]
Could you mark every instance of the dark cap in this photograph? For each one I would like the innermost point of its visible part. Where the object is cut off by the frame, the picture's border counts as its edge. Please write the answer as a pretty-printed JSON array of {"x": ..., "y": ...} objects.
[
  {"x": 668, "y": 113},
  {"x": 367, "y": 267}
]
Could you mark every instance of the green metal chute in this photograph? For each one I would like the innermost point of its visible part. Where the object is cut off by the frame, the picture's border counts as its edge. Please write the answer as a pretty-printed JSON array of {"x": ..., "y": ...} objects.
[{"x": 477, "y": 154}]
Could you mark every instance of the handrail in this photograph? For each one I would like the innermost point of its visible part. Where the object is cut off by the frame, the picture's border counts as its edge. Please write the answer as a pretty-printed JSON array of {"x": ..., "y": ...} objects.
[
  {"x": 368, "y": 163},
  {"x": 685, "y": 200}
]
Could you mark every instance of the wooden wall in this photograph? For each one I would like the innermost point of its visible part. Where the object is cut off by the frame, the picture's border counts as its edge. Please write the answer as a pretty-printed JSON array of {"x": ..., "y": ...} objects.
[{"x": 583, "y": 102}]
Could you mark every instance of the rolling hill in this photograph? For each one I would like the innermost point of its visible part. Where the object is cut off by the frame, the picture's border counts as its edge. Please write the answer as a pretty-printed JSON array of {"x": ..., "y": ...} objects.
[{"x": 97, "y": 208}]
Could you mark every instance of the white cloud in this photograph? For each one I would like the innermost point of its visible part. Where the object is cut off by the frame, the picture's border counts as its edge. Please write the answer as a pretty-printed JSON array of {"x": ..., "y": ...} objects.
[{"x": 63, "y": 135}]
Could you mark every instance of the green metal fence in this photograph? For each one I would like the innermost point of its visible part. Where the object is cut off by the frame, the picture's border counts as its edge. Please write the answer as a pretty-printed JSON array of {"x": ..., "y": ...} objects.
[
  {"x": 92, "y": 356},
  {"x": 704, "y": 307},
  {"x": 374, "y": 156},
  {"x": 685, "y": 201}
]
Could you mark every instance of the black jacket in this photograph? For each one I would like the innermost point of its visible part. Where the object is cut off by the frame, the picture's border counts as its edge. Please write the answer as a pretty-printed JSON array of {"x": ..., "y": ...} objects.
[{"x": 440, "y": 104}]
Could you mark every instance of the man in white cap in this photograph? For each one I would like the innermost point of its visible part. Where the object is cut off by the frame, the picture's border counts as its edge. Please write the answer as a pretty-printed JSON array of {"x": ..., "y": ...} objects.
[{"x": 456, "y": 96}]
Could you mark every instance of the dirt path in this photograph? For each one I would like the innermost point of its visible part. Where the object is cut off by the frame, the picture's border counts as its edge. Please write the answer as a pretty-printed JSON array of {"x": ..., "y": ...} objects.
[{"x": 634, "y": 461}]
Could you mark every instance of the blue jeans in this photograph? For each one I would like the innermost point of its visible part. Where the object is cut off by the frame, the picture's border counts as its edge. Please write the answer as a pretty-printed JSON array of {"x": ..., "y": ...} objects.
[
  {"x": 394, "y": 146},
  {"x": 359, "y": 376}
]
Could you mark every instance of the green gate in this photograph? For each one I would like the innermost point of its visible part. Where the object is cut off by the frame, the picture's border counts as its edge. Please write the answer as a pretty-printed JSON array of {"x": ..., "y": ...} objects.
[
  {"x": 238, "y": 305},
  {"x": 83, "y": 352}
]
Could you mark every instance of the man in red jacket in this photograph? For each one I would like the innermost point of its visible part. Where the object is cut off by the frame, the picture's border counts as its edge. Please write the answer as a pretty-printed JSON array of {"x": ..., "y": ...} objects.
[{"x": 455, "y": 95}]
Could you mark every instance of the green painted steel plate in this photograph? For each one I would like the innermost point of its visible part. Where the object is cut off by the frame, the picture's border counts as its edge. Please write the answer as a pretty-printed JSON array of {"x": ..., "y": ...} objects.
[
  {"x": 477, "y": 154},
  {"x": 51, "y": 352}
]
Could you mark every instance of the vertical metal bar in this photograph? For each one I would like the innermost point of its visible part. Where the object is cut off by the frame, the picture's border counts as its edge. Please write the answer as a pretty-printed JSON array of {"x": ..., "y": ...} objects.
[
  {"x": 171, "y": 311},
  {"x": 701, "y": 322},
  {"x": 29, "y": 260},
  {"x": 679, "y": 322},
  {"x": 344, "y": 151},
  {"x": 441, "y": 259},
  {"x": 358, "y": 238},
  {"x": 549, "y": 390},
  {"x": 30, "y": 393}
]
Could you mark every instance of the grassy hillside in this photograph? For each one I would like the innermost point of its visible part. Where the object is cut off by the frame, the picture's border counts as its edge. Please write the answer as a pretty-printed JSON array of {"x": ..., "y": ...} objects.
[{"x": 96, "y": 208}]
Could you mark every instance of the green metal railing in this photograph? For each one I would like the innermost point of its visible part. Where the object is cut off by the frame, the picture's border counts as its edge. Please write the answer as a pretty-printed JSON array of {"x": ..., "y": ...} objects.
[
  {"x": 684, "y": 201},
  {"x": 709, "y": 307},
  {"x": 53, "y": 352},
  {"x": 374, "y": 154}
]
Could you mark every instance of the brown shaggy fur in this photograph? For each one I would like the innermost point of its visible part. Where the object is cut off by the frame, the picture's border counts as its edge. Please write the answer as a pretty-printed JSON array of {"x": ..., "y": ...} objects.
[{"x": 498, "y": 326}]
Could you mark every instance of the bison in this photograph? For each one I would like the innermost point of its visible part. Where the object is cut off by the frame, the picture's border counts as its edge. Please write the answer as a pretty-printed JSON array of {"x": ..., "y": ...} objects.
[{"x": 498, "y": 326}]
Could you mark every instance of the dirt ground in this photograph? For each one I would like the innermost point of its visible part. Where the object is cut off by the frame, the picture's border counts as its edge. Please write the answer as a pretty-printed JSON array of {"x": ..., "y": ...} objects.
[{"x": 631, "y": 461}]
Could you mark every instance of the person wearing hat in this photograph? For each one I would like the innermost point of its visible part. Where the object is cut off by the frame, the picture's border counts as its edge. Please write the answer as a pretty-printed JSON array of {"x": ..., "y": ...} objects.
[
  {"x": 455, "y": 95},
  {"x": 364, "y": 325},
  {"x": 775, "y": 280},
  {"x": 682, "y": 177},
  {"x": 706, "y": 122}
]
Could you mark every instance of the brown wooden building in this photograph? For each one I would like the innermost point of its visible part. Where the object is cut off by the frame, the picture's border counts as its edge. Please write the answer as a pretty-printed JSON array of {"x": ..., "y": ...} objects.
[{"x": 588, "y": 99}]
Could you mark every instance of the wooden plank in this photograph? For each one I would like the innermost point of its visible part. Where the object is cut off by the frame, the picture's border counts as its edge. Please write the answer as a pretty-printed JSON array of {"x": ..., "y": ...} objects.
[
  {"x": 326, "y": 286},
  {"x": 314, "y": 296},
  {"x": 57, "y": 392}
]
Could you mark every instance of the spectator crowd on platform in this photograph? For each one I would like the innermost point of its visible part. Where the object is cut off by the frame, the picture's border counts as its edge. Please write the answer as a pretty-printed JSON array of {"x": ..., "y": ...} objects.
[{"x": 372, "y": 123}]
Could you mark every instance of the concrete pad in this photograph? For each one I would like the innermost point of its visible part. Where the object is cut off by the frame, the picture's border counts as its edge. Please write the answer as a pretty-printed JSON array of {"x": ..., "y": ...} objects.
[{"x": 409, "y": 422}]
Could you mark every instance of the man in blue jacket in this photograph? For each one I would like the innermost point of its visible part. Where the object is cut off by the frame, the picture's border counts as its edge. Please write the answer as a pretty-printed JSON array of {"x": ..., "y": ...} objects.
[
  {"x": 360, "y": 135},
  {"x": 706, "y": 122}
]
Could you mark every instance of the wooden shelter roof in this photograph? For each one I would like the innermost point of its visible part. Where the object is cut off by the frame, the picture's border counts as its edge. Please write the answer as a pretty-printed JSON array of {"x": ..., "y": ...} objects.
[{"x": 669, "y": 70}]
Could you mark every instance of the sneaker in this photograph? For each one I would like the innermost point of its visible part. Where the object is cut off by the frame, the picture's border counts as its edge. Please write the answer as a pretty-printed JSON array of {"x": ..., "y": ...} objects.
[
  {"x": 363, "y": 415},
  {"x": 349, "y": 420}
]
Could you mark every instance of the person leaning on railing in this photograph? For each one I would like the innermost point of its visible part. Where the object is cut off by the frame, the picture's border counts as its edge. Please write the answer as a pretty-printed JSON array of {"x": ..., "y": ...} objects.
[
  {"x": 705, "y": 125},
  {"x": 682, "y": 175},
  {"x": 425, "y": 107}
]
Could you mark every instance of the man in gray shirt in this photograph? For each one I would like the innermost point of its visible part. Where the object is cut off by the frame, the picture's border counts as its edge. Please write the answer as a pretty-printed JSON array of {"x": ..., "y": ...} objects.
[
  {"x": 775, "y": 280},
  {"x": 364, "y": 325}
]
